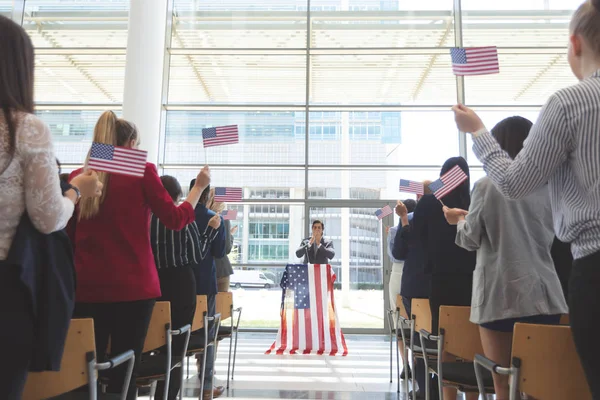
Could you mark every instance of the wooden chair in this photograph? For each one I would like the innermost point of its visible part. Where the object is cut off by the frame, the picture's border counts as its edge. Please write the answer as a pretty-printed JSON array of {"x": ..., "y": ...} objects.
[
  {"x": 545, "y": 364},
  {"x": 421, "y": 317},
  {"x": 157, "y": 362},
  {"x": 224, "y": 305},
  {"x": 78, "y": 368},
  {"x": 459, "y": 337},
  {"x": 200, "y": 341}
]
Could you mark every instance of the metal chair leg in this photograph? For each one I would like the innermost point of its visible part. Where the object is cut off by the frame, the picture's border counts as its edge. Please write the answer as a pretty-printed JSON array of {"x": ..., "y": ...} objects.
[
  {"x": 230, "y": 348},
  {"x": 391, "y": 331},
  {"x": 234, "y": 353}
]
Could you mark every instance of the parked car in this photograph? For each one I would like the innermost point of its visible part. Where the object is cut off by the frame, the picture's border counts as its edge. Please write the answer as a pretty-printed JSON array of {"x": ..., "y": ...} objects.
[{"x": 250, "y": 279}]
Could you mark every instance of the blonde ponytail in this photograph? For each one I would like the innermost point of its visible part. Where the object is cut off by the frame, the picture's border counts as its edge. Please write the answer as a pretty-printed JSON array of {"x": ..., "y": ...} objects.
[{"x": 105, "y": 132}]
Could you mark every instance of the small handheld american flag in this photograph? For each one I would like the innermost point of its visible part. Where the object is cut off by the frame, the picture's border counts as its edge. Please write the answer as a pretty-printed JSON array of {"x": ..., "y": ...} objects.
[
  {"x": 411, "y": 186},
  {"x": 228, "y": 194},
  {"x": 220, "y": 135},
  {"x": 229, "y": 215},
  {"x": 475, "y": 61},
  {"x": 448, "y": 182},
  {"x": 383, "y": 212},
  {"x": 117, "y": 160}
]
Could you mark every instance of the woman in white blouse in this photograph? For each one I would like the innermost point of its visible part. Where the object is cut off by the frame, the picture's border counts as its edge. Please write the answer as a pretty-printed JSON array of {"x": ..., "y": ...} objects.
[
  {"x": 28, "y": 183},
  {"x": 514, "y": 278}
]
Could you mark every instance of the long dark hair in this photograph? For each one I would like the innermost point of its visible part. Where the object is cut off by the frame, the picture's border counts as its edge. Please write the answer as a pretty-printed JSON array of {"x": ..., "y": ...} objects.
[
  {"x": 510, "y": 133},
  {"x": 461, "y": 196},
  {"x": 16, "y": 74}
]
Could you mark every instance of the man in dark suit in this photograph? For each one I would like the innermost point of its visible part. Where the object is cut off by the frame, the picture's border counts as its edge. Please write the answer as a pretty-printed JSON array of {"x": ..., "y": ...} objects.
[
  {"x": 316, "y": 250},
  {"x": 206, "y": 279}
]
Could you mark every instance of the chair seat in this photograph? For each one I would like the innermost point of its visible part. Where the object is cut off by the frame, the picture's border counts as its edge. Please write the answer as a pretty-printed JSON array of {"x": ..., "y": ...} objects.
[
  {"x": 224, "y": 332},
  {"x": 430, "y": 351},
  {"x": 431, "y": 347},
  {"x": 406, "y": 333},
  {"x": 196, "y": 344},
  {"x": 153, "y": 367},
  {"x": 463, "y": 373},
  {"x": 85, "y": 396}
]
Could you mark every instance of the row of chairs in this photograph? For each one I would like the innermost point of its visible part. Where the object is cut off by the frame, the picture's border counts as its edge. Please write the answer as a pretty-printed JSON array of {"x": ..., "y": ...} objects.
[
  {"x": 544, "y": 363},
  {"x": 79, "y": 366}
]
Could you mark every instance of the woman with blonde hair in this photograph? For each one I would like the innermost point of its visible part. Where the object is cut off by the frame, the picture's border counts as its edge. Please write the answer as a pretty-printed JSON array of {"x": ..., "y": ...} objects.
[{"x": 117, "y": 280}]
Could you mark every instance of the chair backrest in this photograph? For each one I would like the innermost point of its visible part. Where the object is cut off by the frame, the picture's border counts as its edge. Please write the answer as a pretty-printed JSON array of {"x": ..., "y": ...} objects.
[
  {"x": 73, "y": 373},
  {"x": 550, "y": 366},
  {"x": 157, "y": 335},
  {"x": 224, "y": 304},
  {"x": 400, "y": 305},
  {"x": 201, "y": 308},
  {"x": 421, "y": 313},
  {"x": 461, "y": 336},
  {"x": 565, "y": 320}
]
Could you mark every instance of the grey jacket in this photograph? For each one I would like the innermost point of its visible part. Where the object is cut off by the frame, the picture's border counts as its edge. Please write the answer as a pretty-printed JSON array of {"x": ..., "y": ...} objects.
[
  {"x": 223, "y": 264},
  {"x": 515, "y": 275}
]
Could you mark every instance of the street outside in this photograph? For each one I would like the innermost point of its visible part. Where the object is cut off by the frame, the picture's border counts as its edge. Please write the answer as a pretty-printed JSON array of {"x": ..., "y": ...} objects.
[{"x": 261, "y": 308}]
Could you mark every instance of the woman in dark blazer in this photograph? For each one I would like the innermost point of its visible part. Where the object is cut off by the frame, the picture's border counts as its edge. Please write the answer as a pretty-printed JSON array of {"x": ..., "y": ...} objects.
[{"x": 450, "y": 266}]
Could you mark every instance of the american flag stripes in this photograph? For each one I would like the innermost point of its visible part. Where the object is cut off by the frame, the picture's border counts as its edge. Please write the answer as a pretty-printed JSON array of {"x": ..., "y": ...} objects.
[
  {"x": 309, "y": 323},
  {"x": 220, "y": 135},
  {"x": 383, "y": 212},
  {"x": 475, "y": 60},
  {"x": 229, "y": 215},
  {"x": 448, "y": 182},
  {"x": 117, "y": 160},
  {"x": 411, "y": 186},
  {"x": 228, "y": 194}
]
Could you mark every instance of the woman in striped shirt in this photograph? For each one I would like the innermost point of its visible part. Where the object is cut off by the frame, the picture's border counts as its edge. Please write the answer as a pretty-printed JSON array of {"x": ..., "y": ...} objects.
[
  {"x": 563, "y": 149},
  {"x": 173, "y": 252}
]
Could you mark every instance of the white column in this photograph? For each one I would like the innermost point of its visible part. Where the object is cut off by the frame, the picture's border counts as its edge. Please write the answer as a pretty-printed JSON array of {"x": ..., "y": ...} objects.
[{"x": 144, "y": 70}]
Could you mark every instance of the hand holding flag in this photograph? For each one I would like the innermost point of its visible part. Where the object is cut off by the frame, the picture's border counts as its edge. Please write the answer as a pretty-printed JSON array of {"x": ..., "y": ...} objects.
[{"x": 466, "y": 119}]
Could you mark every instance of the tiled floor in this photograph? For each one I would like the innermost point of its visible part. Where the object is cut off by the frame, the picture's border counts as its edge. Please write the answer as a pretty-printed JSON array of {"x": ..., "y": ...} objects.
[{"x": 363, "y": 374}]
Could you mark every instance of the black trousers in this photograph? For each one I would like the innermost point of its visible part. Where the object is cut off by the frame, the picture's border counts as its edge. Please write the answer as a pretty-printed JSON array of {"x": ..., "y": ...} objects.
[
  {"x": 584, "y": 310},
  {"x": 178, "y": 286},
  {"x": 126, "y": 324},
  {"x": 16, "y": 335},
  {"x": 448, "y": 290}
]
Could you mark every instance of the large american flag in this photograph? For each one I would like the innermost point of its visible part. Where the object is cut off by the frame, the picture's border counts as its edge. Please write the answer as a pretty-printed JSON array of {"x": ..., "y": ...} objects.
[
  {"x": 117, "y": 160},
  {"x": 229, "y": 215},
  {"x": 383, "y": 212},
  {"x": 220, "y": 135},
  {"x": 448, "y": 182},
  {"x": 411, "y": 186},
  {"x": 228, "y": 194},
  {"x": 475, "y": 60},
  {"x": 309, "y": 323}
]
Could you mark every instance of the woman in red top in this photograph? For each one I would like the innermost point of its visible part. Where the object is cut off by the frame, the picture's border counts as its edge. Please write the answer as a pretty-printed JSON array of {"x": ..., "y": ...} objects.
[{"x": 117, "y": 282}]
